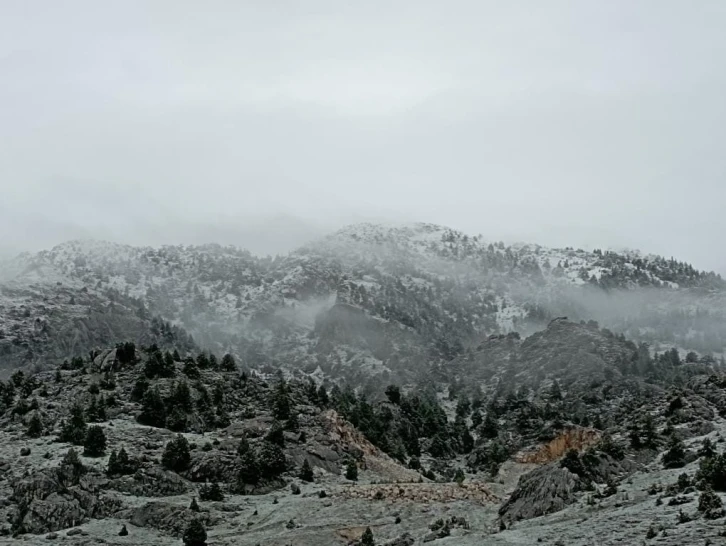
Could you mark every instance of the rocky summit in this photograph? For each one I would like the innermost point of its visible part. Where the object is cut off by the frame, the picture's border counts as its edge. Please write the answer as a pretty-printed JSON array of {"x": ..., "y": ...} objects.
[{"x": 383, "y": 386}]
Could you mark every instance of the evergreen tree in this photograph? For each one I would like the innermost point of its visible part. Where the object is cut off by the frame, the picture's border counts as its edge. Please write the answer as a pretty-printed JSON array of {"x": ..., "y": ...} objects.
[
  {"x": 281, "y": 401},
  {"x": 194, "y": 506},
  {"x": 74, "y": 430},
  {"x": 176, "y": 455},
  {"x": 228, "y": 363},
  {"x": 323, "y": 398},
  {"x": 249, "y": 468},
  {"x": 35, "y": 426},
  {"x": 202, "y": 361},
  {"x": 153, "y": 410},
  {"x": 276, "y": 435},
  {"x": 140, "y": 387},
  {"x": 306, "y": 472},
  {"x": 476, "y": 418},
  {"x": 393, "y": 392},
  {"x": 351, "y": 471},
  {"x": 490, "y": 427},
  {"x": 190, "y": 369},
  {"x": 95, "y": 444},
  {"x": 367, "y": 538},
  {"x": 272, "y": 460},
  {"x": 293, "y": 422},
  {"x": 195, "y": 534},
  {"x": 555, "y": 391},
  {"x": 96, "y": 410},
  {"x": 211, "y": 493},
  {"x": 707, "y": 449},
  {"x": 71, "y": 469},
  {"x": 675, "y": 457},
  {"x": 213, "y": 364}
]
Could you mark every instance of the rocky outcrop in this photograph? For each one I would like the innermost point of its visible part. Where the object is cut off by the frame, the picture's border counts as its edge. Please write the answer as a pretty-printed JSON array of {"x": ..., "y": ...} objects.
[
  {"x": 213, "y": 466},
  {"x": 151, "y": 482},
  {"x": 543, "y": 491},
  {"x": 47, "y": 501},
  {"x": 169, "y": 518}
]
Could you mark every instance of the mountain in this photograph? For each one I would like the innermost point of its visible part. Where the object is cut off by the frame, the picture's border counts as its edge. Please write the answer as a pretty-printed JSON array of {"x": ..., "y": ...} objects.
[
  {"x": 369, "y": 300},
  {"x": 389, "y": 385}
]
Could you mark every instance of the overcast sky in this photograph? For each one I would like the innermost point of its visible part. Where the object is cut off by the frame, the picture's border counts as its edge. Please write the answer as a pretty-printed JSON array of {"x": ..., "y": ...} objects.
[{"x": 264, "y": 123}]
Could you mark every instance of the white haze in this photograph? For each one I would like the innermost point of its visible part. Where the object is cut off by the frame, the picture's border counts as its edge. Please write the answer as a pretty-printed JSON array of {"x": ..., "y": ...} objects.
[{"x": 265, "y": 124}]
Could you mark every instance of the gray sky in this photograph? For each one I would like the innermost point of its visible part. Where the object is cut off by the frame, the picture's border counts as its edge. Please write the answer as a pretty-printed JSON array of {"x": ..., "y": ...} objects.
[{"x": 583, "y": 123}]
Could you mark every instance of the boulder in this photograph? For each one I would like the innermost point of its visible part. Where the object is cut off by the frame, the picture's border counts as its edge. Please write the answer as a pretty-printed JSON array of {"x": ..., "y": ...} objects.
[{"x": 542, "y": 491}]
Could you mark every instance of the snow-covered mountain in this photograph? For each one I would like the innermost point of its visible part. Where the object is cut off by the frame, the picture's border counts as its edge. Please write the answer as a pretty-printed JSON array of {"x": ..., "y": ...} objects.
[{"x": 366, "y": 299}]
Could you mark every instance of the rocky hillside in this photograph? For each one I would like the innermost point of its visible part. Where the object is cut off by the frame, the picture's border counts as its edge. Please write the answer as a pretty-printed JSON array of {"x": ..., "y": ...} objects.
[
  {"x": 368, "y": 301},
  {"x": 525, "y": 441}
]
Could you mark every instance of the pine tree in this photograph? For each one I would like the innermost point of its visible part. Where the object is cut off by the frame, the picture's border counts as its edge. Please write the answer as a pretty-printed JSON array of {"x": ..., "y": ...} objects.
[
  {"x": 153, "y": 410},
  {"x": 74, "y": 430},
  {"x": 249, "y": 468},
  {"x": 306, "y": 472},
  {"x": 490, "y": 427},
  {"x": 95, "y": 444},
  {"x": 351, "y": 471},
  {"x": 228, "y": 363},
  {"x": 195, "y": 534},
  {"x": 293, "y": 422},
  {"x": 141, "y": 386},
  {"x": 271, "y": 460},
  {"x": 281, "y": 401},
  {"x": 194, "y": 506},
  {"x": 675, "y": 457},
  {"x": 96, "y": 410},
  {"x": 35, "y": 426},
  {"x": 190, "y": 369},
  {"x": 176, "y": 455},
  {"x": 276, "y": 435},
  {"x": 323, "y": 399},
  {"x": 211, "y": 493},
  {"x": 367, "y": 538},
  {"x": 393, "y": 392}
]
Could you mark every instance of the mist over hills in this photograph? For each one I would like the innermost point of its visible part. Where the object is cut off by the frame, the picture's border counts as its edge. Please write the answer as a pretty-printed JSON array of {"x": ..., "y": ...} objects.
[{"x": 369, "y": 299}]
